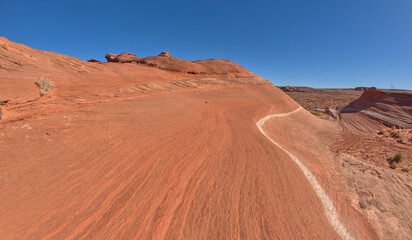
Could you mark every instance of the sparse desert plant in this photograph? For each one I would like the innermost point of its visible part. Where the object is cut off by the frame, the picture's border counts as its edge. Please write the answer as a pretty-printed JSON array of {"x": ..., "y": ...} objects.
[
  {"x": 393, "y": 165},
  {"x": 395, "y": 134},
  {"x": 316, "y": 114},
  {"x": 393, "y": 127},
  {"x": 44, "y": 84},
  {"x": 381, "y": 132},
  {"x": 404, "y": 170},
  {"x": 398, "y": 157}
]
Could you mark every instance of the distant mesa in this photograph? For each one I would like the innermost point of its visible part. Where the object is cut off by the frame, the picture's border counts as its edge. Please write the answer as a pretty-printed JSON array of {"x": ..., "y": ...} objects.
[
  {"x": 366, "y": 88},
  {"x": 295, "y": 89},
  {"x": 288, "y": 88}
]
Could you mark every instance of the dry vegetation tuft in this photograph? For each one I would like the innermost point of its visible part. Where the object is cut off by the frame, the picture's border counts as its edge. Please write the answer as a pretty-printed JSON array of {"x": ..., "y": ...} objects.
[{"x": 44, "y": 84}]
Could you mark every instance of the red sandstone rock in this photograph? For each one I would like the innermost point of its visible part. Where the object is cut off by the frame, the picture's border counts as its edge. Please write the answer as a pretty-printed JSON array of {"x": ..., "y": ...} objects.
[
  {"x": 122, "y": 58},
  {"x": 164, "y": 54},
  {"x": 123, "y": 151}
]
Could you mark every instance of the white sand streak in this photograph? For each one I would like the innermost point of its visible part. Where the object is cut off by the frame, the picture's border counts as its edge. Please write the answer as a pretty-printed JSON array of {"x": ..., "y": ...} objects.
[{"x": 328, "y": 207}]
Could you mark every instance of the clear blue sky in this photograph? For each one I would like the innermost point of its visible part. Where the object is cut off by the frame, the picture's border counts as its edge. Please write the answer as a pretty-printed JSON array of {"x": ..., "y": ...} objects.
[{"x": 318, "y": 43}]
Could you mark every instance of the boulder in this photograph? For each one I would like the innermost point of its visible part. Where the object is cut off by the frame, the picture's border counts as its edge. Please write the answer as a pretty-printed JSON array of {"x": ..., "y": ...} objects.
[
  {"x": 122, "y": 58},
  {"x": 164, "y": 54}
]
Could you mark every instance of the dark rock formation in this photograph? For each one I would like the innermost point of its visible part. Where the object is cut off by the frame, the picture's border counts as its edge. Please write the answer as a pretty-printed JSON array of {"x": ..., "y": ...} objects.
[
  {"x": 94, "y": 60},
  {"x": 365, "y": 88}
]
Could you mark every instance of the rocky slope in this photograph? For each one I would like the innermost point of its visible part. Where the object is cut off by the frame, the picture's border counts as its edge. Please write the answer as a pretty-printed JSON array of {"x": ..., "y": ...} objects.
[
  {"x": 390, "y": 108},
  {"x": 161, "y": 148}
]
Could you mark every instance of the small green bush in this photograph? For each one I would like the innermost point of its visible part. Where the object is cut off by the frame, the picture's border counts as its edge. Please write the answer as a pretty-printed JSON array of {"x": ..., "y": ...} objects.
[
  {"x": 393, "y": 165},
  {"x": 398, "y": 157},
  {"x": 381, "y": 132},
  {"x": 44, "y": 84},
  {"x": 404, "y": 170}
]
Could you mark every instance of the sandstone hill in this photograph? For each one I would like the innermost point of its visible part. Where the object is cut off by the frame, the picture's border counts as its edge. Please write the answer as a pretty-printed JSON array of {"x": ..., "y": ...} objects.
[
  {"x": 391, "y": 108},
  {"x": 164, "y": 148}
]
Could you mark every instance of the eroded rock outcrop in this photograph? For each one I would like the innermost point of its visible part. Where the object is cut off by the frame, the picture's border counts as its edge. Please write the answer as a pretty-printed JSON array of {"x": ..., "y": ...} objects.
[
  {"x": 382, "y": 195},
  {"x": 164, "y": 54},
  {"x": 122, "y": 58},
  {"x": 288, "y": 88},
  {"x": 365, "y": 88},
  {"x": 166, "y": 62}
]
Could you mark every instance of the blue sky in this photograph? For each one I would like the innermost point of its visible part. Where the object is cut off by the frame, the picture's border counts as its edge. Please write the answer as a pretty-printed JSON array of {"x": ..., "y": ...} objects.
[{"x": 318, "y": 43}]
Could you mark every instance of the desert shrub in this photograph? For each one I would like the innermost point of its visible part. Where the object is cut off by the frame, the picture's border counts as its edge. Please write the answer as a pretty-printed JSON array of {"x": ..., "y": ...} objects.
[
  {"x": 393, "y": 165},
  {"x": 381, "y": 132},
  {"x": 404, "y": 170},
  {"x": 395, "y": 134},
  {"x": 393, "y": 127},
  {"x": 398, "y": 157},
  {"x": 316, "y": 114},
  {"x": 44, "y": 84}
]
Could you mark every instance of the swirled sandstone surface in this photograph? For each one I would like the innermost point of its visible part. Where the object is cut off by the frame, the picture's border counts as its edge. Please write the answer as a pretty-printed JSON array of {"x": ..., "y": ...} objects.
[{"x": 163, "y": 149}]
